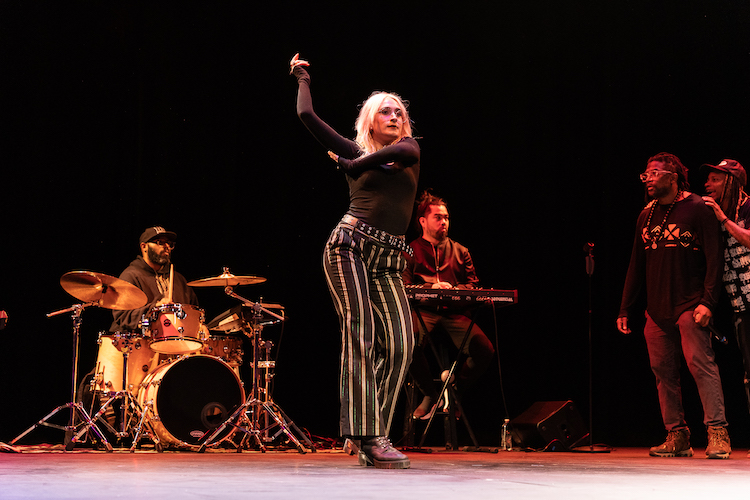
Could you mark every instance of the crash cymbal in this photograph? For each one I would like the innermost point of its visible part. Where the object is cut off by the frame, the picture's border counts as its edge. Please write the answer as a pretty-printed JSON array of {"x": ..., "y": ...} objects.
[
  {"x": 227, "y": 279},
  {"x": 107, "y": 291}
]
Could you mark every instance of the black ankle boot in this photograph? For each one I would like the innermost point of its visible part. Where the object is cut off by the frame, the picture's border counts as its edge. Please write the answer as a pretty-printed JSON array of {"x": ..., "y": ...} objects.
[{"x": 379, "y": 451}]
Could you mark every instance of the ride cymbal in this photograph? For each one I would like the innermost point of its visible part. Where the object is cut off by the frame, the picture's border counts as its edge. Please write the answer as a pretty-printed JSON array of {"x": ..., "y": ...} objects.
[
  {"x": 227, "y": 279},
  {"x": 107, "y": 291}
]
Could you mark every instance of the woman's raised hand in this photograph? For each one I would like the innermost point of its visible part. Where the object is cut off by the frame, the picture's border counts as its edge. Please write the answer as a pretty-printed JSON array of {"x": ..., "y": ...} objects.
[{"x": 296, "y": 61}]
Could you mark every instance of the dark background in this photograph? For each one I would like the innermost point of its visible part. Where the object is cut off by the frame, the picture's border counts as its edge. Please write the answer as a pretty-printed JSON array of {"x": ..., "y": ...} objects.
[{"x": 535, "y": 118}]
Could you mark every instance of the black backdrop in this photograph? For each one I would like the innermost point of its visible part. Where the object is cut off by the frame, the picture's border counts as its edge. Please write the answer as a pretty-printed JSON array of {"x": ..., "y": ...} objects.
[{"x": 535, "y": 118}]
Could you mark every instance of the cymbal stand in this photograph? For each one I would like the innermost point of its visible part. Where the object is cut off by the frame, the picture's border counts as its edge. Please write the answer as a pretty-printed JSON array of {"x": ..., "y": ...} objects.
[
  {"x": 129, "y": 408},
  {"x": 76, "y": 409},
  {"x": 256, "y": 409},
  {"x": 264, "y": 392},
  {"x": 272, "y": 415}
]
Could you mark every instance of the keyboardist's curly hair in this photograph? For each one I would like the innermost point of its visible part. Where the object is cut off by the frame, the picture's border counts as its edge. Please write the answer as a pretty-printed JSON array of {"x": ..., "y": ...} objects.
[{"x": 424, "y": 202}]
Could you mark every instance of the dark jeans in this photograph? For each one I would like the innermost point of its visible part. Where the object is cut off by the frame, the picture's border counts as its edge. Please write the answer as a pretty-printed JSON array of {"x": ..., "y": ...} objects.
[{"x": 664, "y": 349}]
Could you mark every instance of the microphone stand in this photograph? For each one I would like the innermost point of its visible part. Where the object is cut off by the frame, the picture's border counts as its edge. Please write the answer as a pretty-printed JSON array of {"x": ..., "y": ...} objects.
[{"x": 589, "y": 249}]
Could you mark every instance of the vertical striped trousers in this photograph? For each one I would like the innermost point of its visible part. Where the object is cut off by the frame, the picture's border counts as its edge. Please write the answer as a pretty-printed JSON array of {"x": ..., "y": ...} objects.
[{"x": 364, "y": 277}]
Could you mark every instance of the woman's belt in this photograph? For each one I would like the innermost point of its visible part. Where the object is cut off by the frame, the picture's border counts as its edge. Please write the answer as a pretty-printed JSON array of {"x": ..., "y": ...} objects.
[{"x": 398, "y": 242}]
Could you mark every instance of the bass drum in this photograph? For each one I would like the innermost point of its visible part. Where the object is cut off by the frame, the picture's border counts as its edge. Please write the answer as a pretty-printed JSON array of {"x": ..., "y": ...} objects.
[{"x": 191, "y": 396}]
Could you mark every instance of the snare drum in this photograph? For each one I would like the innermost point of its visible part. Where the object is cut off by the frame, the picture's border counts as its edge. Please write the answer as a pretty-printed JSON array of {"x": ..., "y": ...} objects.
[
  {"x": 110, "y": 361},
  {"x": 191, "y": 396},
  {"x": 175, "y": 328}
]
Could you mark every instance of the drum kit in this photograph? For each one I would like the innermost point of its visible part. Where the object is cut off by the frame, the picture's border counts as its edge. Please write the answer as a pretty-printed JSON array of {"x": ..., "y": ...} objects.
[{"x": 176, "y": 382}]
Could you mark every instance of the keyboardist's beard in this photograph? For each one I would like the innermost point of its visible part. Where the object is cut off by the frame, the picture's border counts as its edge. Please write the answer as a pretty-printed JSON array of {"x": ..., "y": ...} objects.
[{"x": 439, "y": 235}]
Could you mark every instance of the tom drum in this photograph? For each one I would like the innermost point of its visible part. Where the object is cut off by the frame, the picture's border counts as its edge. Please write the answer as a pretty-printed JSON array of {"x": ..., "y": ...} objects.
[
  {"x": 226, "y": 347},
  {"x": 175, "y": 328},
  {"x": 109, "y": 362}
]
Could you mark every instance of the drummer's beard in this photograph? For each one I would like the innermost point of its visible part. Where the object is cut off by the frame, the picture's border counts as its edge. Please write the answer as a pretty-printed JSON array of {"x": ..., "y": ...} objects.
[{"x": 156, "y": 258}]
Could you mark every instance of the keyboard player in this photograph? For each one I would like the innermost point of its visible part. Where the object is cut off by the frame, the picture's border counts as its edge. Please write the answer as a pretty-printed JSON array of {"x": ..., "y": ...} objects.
[{"x": 440, "y": 262}]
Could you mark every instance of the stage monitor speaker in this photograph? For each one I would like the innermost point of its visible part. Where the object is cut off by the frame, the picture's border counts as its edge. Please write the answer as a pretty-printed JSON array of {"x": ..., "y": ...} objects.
[{"x": 547, "y": 421}]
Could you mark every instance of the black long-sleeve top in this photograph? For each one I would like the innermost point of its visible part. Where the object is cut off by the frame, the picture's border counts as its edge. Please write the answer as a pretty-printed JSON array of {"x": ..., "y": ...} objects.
[
  {"x": 683, "y": 270},
  {"x": 383, "y": 184}
]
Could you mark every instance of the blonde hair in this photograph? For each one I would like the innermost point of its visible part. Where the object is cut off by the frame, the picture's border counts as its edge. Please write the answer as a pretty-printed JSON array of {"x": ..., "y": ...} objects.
[{"x": 367, "y": 113}]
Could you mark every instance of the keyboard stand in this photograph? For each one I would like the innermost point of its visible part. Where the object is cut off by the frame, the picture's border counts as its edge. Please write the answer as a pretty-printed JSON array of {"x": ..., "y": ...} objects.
[{"x": 447, "y": 386}]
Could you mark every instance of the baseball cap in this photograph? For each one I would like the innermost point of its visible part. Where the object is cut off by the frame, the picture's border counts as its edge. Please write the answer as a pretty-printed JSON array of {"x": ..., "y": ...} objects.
[
  {"x": 731, "y": 167},
  {"x": 155, "y": 232}
]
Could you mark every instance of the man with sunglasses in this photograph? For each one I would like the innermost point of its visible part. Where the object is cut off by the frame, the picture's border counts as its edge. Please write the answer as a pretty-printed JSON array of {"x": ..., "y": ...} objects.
[
  {"x": 150, "y": 272},
  {"x": 677, "y": 257}
]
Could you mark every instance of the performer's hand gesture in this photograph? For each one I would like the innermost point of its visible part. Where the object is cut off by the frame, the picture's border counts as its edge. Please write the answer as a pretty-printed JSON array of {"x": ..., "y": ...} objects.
[
  {"x": 622, "y": 325},
  {"x": 296, "y": 61},
  {"x": 702, "y": 315},
  {"x": 342, "y": 163}
]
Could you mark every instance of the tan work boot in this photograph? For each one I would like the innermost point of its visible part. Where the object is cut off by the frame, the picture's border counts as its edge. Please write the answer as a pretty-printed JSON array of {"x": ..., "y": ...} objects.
[
  {"x": 718, "y": 443},
  {"x": 676, "y": 445}
]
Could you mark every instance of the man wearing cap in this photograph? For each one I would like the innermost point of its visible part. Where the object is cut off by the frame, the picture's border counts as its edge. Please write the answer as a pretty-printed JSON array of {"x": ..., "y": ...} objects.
[
  {"x": 676, "y": 256},
  {"x": 150, "y": 273},
  {"x": 726, "y": 196}
]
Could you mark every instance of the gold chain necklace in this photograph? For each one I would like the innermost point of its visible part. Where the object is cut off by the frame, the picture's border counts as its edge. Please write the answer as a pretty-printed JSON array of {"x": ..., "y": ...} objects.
[{"x": 657, "y": 233}]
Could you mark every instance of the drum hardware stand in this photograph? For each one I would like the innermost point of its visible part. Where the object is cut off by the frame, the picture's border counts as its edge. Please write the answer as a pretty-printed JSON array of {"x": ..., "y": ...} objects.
[
  {"x": 267, "y": 365},
  {"x": 144, "y": 427},
  {"x": 8, "y": 448},
  {"x": 129, "y": 408},
  {"x": 76, "y": 409},
  {"x": 254, "y": 405}
]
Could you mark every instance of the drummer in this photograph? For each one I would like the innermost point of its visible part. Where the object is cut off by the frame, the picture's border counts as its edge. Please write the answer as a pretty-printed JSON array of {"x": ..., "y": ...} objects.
[{"x": 150, "y": 272}]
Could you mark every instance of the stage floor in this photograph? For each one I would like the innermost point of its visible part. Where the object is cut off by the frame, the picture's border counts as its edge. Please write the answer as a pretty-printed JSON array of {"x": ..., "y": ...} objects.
[{"x": 50, "y": 473}]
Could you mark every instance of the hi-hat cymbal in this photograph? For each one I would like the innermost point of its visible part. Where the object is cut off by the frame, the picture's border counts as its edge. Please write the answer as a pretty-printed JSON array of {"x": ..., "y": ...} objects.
[
  {"x": 107, "y": 291},
  {"x": 227, "y": 279}
]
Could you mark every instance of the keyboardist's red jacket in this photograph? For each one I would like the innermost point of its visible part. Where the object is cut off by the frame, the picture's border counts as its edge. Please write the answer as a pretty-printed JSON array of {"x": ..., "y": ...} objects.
[{"x": 449, "y": 261}]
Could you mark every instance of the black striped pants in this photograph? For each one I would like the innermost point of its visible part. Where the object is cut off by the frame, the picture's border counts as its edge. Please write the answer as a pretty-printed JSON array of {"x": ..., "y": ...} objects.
[{"x": 364, "y": 277}]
